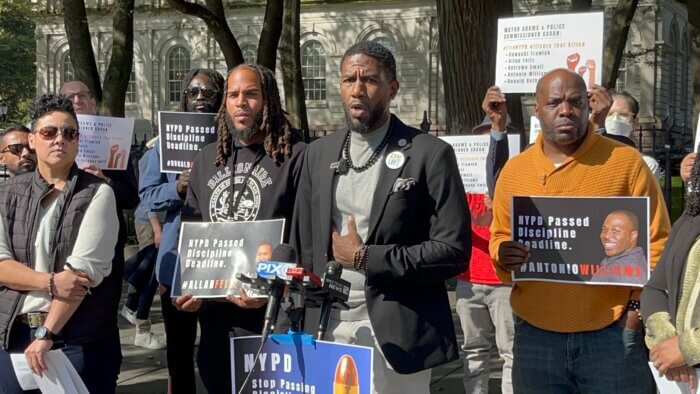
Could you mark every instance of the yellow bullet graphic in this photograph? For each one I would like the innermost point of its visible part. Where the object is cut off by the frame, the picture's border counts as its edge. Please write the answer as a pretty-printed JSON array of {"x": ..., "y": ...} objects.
[{"x": 346, "y": 380}]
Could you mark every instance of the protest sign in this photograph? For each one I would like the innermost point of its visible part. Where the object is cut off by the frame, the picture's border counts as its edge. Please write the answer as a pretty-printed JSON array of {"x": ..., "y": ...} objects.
[
  {"x": 695, "y": 140},
  {"x": 529, "y": 47},
  {"x": 182, "y": 136},
  {"x": 212, "y": 254},
  {"x": 285, "y": 367},
  {"x": 535, "y": 129},
  {"x": 471, "y": 152},
  {"x": 104, "y": 141},
  {"x": 596, "y": 240}
]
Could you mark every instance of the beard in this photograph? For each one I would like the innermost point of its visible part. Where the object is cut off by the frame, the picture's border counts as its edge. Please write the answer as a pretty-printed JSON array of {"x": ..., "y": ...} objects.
[
  {"x": 362, "y": 127},
  {"x": 245, "y": 133}
]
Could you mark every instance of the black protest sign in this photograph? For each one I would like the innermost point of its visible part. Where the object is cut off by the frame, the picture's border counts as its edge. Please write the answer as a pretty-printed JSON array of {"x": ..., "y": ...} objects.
[
  {"x": 182, "y": 136},
  {"x": 601, "y": 240},
  {"x": 212, "y": 254}
]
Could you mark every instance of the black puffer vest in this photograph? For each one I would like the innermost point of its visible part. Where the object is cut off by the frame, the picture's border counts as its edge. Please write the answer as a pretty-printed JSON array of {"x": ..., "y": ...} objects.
[{"x": 21, "y": 199}]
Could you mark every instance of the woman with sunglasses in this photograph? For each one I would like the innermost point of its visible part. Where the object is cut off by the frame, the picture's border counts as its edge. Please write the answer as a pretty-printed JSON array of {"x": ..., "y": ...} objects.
[{"x": 58, "y": 228}]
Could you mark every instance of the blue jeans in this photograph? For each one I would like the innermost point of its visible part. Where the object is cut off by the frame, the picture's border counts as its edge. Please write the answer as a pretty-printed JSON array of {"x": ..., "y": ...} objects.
[
  {"x": 610, "y": 360},
  {"x": 96, "y": 362}
]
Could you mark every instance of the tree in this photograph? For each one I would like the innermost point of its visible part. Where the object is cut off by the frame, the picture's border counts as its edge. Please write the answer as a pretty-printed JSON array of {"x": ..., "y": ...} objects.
[
  {"x": 83, "y": 58},
  {"x": 617, "y": 40},
  {"x": 291, "y": 67},
  {"x": 17, "y": 57},
  {"x": 213, "y": 14},
  {"x": 468, "y": 54}
]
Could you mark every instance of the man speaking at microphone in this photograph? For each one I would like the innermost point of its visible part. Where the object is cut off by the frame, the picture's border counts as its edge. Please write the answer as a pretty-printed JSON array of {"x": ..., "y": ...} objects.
[{"x": 387, "y": 202}]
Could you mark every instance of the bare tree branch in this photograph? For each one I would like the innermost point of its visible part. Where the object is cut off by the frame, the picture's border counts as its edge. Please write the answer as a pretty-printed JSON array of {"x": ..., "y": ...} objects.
[{"x": 214, "y": 17}]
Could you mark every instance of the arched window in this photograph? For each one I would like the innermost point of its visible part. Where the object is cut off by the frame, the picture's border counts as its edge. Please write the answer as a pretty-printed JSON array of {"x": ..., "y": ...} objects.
[
  {"x": 386, "y": 43},
  {"x": 67, "y": 73},
  {"x": 131, "y": 88},
  {"x": 313, "y": 70},
  {"x": 250, "y": 53},
  {"x": 178, "y": 66}
]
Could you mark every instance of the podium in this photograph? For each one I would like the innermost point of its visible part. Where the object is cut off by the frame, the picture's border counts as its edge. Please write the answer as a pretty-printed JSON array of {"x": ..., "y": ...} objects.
[{"x": 296, "y": 363}]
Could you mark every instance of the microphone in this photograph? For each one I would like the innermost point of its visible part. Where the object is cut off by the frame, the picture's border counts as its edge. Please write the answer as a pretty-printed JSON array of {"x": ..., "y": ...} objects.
[
  {"x": 275, "y": 273},
  {"x": 335, "y": 290}
]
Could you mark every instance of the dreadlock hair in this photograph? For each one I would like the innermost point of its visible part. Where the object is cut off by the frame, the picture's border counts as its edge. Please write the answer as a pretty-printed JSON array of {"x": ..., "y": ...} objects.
[
  {"x": 692, "y": 201},
  {"x": 274, "y": 124},
  {"x": 215, "y": 76},
  {"x": 377, "y": 51},
  {"x": 47, "y": 103}
]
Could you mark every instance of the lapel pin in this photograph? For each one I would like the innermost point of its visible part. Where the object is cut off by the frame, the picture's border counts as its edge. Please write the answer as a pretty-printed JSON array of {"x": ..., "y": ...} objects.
[
  {"x": 395, "y": 160},
  {"x": 402, "y": 142}
]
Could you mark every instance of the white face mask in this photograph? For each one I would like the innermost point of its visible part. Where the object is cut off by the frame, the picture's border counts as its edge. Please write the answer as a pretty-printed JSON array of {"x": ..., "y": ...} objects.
[{"x": 618, "y": 126}]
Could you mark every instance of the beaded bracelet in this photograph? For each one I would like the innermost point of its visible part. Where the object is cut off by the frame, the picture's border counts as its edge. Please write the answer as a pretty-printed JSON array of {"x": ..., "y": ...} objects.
[
  {"x": 52, "y": 284},
  {"x": 635, "y": 306},
  {"x": 361, "y": 257}
]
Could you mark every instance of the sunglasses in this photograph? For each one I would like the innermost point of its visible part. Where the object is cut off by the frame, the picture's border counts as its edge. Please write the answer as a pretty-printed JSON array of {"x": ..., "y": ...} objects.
[
  {"x": 50, "y": 132},
  {"x": 205, "y": 91},
  {"x": 16, "y": 149}
]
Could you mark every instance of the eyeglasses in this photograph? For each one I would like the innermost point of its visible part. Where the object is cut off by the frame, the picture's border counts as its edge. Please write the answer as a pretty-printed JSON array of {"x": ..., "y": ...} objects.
[
  {"x": 628, "y": 116},
  {"x": 81, "y": 95},
  {"x": 49, "y": 133},
  {"x": 16, "y": 149},
  {"x": 205, "y": 91}
]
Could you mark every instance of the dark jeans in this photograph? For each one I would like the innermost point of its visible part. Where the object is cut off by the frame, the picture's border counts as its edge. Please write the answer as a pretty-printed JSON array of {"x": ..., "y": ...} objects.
[
  {"x": 610, "y": 360},
  {"x": 217, "y": 320},
  {"x": 97, "y": 362},
  {"x": 181, "y": 332},
  {"x": 141, "y": 301}
]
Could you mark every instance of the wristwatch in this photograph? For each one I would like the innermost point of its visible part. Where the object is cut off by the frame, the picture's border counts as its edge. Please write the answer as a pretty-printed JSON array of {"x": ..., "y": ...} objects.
[{"x": 44, "y": 333}]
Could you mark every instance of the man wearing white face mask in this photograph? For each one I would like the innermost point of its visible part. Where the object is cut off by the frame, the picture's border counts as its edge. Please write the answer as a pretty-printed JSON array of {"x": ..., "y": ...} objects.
[{"x": 622, "y": 120}]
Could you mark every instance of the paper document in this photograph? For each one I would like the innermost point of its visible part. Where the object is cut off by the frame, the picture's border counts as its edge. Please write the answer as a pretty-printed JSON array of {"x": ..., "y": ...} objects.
[
  {"x": 60, "y": 377},
  {"x": 666, "y": 386}
]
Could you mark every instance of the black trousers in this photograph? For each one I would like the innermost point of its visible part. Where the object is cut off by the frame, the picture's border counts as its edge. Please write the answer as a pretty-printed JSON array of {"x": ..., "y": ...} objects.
[{"x": 181, "y": 332}]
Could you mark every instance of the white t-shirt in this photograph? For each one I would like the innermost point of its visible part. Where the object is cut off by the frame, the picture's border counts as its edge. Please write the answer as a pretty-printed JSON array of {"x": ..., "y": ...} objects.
[{"x": 93, "y": 250}]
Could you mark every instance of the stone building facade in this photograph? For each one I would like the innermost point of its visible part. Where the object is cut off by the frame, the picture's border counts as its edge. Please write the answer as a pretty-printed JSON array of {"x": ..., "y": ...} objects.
[{"x": 167, "y": 44}]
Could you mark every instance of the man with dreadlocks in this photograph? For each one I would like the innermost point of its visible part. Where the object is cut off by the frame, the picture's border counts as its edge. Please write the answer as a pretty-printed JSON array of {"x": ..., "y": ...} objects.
[
  {"x": 387, "y": 202},
  {"x": 166, "y": 193},
  {"x": 254, "y": 176}
]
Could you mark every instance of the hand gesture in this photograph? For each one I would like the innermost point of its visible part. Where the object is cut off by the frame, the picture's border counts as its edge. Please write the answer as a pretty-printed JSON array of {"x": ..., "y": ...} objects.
[
  {"x": 687, "y": 166},
  {"x": 35, "y": 355},
  {"x": 686, "y": 374},
  {"x": 183, "y": 183},
  {"x": 599, "y": 101},
  {"x": 344, "y": 246},
  {"x": 71, "y": 286},
  {"x": 667, "y": 354},
  {"x": 512, "y": 254},
  {"x": 494, "y": 105},
  {"x": 246, "y": 302},
  {"x": 187, "y": 303},
  {"x": 94, "y": 170}
]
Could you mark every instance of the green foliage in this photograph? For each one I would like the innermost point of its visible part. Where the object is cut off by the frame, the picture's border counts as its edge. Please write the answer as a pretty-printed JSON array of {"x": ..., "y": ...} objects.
[{"x": 17, "y": 57}]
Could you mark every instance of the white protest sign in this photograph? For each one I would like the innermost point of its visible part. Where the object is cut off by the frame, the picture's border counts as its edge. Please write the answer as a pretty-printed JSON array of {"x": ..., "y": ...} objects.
[
  {"x": 104, "y": 141},
  {"x": 535, "y": 129},
  {"x": 695, "y": 140},
  {"x": 529, "y": 47},
  {"x": 471, "y": 152}
]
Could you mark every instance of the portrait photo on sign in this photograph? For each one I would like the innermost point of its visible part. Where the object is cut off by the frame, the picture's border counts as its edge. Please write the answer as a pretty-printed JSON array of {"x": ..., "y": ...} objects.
[{"x": 597, "y": 241}]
